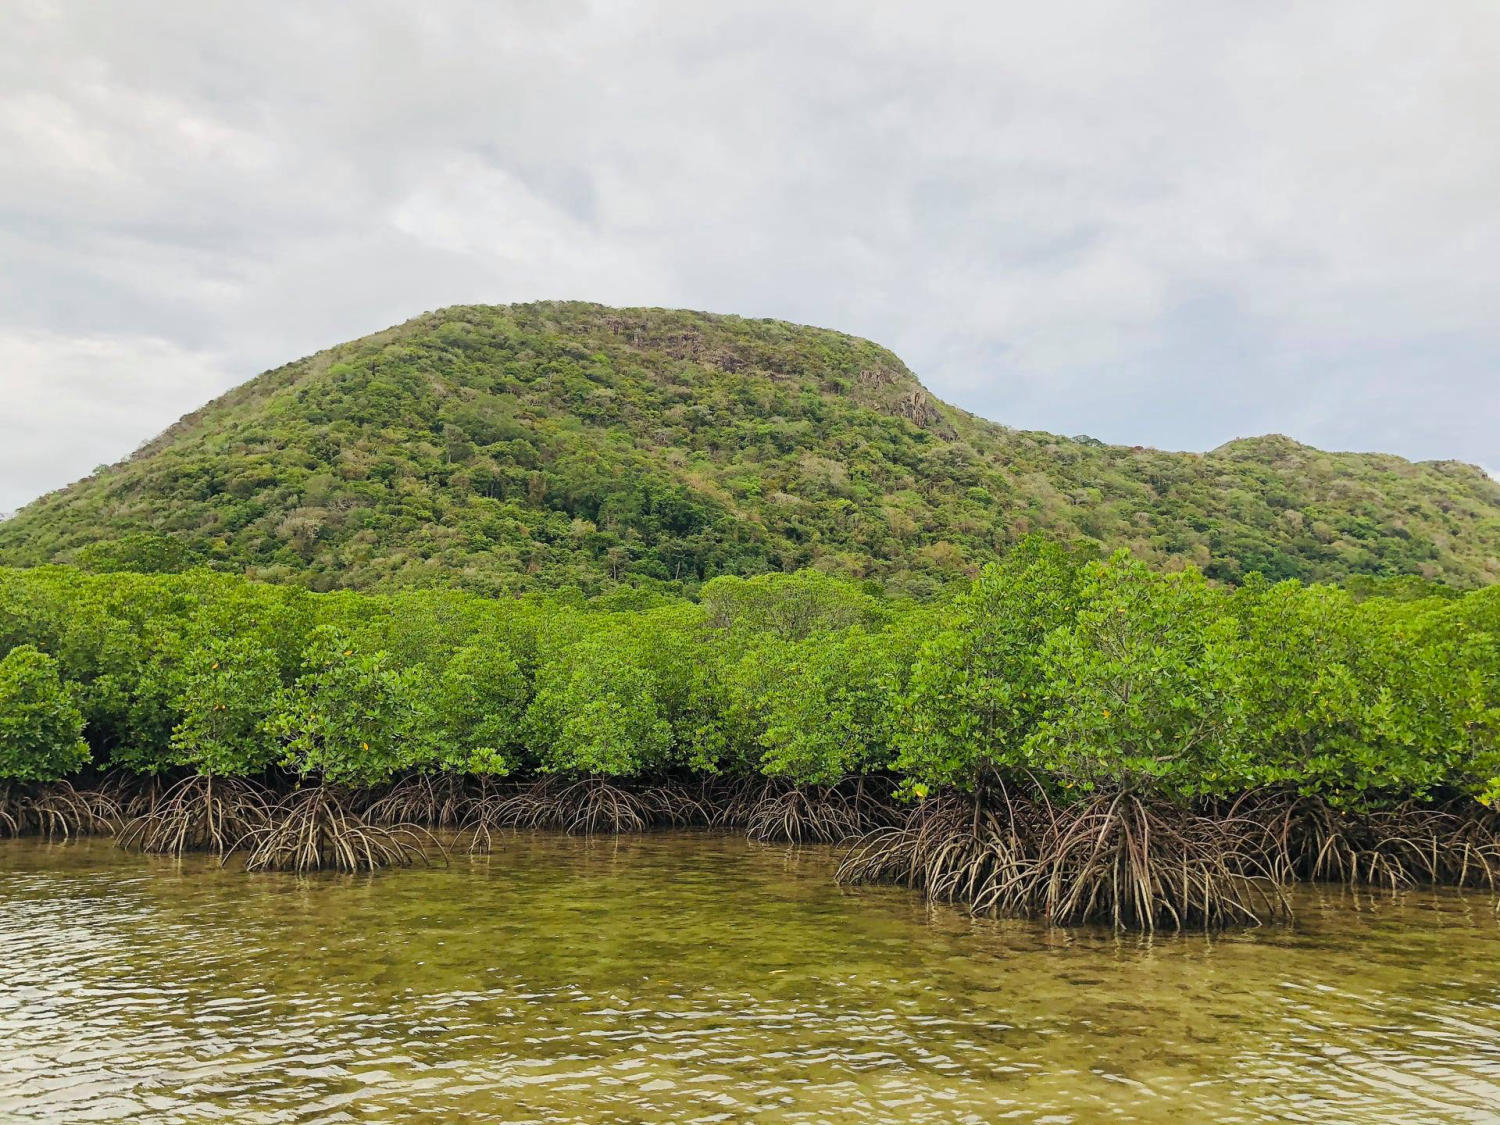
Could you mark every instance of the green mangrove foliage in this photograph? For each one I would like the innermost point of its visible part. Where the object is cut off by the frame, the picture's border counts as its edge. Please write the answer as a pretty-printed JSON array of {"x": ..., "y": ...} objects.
[
  {"x": 1073, "y": 738},
  {"x": 41, "y": 730}
]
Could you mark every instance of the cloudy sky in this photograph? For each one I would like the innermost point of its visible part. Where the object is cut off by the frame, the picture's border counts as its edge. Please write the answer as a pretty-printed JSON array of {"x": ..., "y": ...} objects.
[{"x": 1158, "y": 223}]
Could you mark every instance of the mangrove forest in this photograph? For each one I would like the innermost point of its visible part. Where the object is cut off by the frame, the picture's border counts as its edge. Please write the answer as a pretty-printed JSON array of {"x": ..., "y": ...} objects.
[{"x": 1064, "y": 737}]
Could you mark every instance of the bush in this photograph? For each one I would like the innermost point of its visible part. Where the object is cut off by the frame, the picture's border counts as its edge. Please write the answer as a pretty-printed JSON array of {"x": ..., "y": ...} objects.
[{"x": 41, "y": 728}]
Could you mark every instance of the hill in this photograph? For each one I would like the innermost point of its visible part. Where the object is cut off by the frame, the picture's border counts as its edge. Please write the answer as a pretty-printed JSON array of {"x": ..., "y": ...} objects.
[{"x": 565, "y": 443}]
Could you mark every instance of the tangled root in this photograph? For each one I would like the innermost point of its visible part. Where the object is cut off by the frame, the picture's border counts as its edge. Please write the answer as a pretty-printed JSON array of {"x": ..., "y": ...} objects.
[
  {"x": 1410, "y": 844},
  {"x": 56, "y": 810},
  {"x": 953, "y": 848},
  {"x": 671, "y": 804},
  {"x": 312, "y": 831},
  {"x": 133, "y": 794},
  {"x": 1472, "y": 857},
  {"x": 594, "y": 805},
  {"x": 806, "y": 815},
  {"x": 200, "y": 813},
  {"x": 59, "y": 810},
  {"x": 491, "y": 811},
  {"x": 437, "y": 800},
  {"x": 12, "y": 818},
  {"x": 1114, "y": 859},
  {"x": 732, "y": 801},
  {"x": 588, "y": 806},
  {"x": 1138, "y": 865}
]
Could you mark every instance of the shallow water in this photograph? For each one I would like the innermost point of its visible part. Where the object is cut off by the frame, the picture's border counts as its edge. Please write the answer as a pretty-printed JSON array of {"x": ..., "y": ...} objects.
[{"x": 701, "y": 978}]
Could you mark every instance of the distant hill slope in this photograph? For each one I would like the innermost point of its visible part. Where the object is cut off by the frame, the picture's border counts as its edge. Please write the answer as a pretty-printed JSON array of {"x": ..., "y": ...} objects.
[{"x": 560, "y": 443}]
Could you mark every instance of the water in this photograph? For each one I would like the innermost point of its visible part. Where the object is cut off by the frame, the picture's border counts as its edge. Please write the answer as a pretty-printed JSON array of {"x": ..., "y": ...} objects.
[{"x": 692, "y": 978}]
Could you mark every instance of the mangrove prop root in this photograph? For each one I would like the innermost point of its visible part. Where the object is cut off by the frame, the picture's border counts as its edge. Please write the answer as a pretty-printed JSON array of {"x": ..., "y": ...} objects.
[
  {"x": 489, "y": 812},
  {"x": 1137, "y": 865},
  {"x": 58, "y": 810},
  {"x": 132, "y": 794},
  {"x": 732, "y": 801},
  {"x": 439, "y": 801},
  {"x": 200, "y": 813},
  {"x": 827, "y": 814},
  {"x": 671, "y": 804},
  {"x": 1407, "y": 845},
  {"x": 586, "y": 806},
  {"x": 1115, "y": 859},
  {"x": 954, "y": 849},
  {"x": 11, "y": 817},
  {"x": 314, "y": 830}
]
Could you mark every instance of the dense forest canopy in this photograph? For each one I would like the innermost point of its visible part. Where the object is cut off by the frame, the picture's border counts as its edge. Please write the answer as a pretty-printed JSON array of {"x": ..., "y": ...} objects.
[
  {"x": 1088, "y": 674},
  {"x": 564, "y": 444}
]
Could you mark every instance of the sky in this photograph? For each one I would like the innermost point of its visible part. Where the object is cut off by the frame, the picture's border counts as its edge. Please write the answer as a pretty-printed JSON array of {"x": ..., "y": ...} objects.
[{"x": 1166, "y": 224}]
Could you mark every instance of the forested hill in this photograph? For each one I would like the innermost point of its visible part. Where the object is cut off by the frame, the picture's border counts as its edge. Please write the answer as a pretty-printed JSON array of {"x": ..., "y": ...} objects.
[{"x": 563, "y": 443}]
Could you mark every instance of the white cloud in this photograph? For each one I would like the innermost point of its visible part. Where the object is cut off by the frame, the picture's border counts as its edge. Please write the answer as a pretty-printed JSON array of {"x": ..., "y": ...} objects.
[
  {"x": 1160, "y": 224},
  {"x": 76, "y": 402}
]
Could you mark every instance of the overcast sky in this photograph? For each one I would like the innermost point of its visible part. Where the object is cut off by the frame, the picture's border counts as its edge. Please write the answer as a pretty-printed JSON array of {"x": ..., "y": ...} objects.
[{"x": 1157, "y": 223}]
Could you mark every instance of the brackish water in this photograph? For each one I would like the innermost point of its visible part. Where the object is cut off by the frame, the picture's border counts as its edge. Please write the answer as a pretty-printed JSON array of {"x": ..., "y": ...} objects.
[{"x": 690, "y": 978}]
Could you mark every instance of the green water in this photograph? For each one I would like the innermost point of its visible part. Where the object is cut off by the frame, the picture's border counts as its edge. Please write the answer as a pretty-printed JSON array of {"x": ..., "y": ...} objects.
[{"x": 692, "y": 978}]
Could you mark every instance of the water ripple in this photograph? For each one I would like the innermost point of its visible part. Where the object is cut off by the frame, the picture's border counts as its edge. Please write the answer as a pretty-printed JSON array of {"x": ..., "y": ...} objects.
[{"x": 702, "y": 979}]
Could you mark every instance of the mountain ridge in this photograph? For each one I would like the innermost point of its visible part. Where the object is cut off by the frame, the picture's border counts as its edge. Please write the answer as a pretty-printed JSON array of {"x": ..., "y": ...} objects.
[{"x": 562, "y": 443}]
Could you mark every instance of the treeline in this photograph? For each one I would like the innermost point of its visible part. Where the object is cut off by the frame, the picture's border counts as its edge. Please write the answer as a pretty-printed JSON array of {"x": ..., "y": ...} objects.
[{"x": 1079, "y": 739}]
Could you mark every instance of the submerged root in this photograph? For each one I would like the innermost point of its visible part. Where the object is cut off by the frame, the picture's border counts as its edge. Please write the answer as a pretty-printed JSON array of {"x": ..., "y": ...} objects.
[
  {"x": 1472, "y": 857},
  {"x": 1306, "y": 838},
  {"x": 1457, "y": 845},
  {"x": 56, "y": 810},
  {"x": 12, "y": 818},
  {"x": 200, "y": 813},
  {"x": 437, "y": 800},
  {"x": 133, "y": 794},
  {"x": 594, "y": 805},
  {"x": 492, "y": 810},
  {"x": 732, "y": 801},
  {"x": 312, "y": 830}
]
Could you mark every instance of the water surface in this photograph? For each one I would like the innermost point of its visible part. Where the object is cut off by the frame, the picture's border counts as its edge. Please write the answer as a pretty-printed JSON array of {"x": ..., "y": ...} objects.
[{"x": 693, "y": 978}]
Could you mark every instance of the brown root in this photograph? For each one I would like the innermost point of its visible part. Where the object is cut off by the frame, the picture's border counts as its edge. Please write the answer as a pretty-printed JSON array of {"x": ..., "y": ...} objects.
[
  {"x": 593, "y": 805},
  {"x": 1403, "y": 846},
  {"x": 1472, "y": 858},
  {"x": 440, "y": 800},
  {"x": 953, "y": 848},
  {"x": 58, "y": 810},
  {"x": 825, "y": 814},
  {"x": 1306, "y": 838},
  {"x": 672, "y": 804},
  {"x": 587, "y": 806},
  {"x": 12, "y": 817},
  {"x": 492, "y": 810},
  {"x": 1134, "y": 864},
  {"x": 200, "y": 813},
  {"x": 1457, "y": 845},
  {"x": 732, "y": 801},
  {"x": 312, "y": 830},
  {"x": 133, "y": 794},
  {"x": 1118, "y": 860}
]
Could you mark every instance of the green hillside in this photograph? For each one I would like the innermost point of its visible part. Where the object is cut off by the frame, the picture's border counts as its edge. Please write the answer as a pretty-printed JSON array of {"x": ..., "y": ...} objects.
[{"x": 562, "y": 443}]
